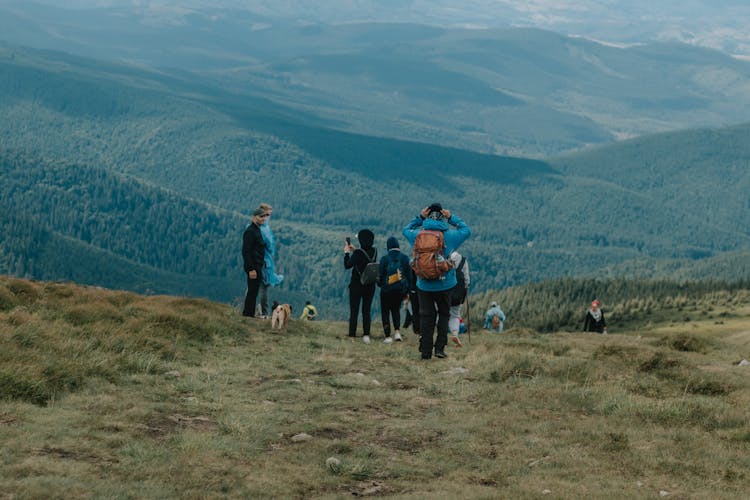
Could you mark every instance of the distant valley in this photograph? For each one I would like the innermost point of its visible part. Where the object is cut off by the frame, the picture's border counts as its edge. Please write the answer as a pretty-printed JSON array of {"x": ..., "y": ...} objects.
[{"x": 143, "y": 179}]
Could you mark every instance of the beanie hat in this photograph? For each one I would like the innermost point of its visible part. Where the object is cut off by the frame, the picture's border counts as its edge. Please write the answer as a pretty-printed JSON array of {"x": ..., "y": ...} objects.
[
  {"x": 258, "y": 211},
  {"x": 435, "y": 207},
  {"x": 435, "y": 211},
  {"x": 595, "y": 303},
  {"x": 392, "y": 243}
]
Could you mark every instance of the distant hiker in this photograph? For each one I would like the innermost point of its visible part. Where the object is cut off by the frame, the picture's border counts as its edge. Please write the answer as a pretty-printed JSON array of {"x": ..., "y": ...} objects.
[
  {"x": 432, "y": 241},
  {"x": 362, "y": 283},
  {"x": 594, "y": 321},
  {"x": 458, "y": 294},
  {"x": 309, "y": 312},
  {"x": 270, "y": 278},
  {"x": 253, "y": 254},
  {"x": 393, "y": 279},
  {"x": 494, "y": 318}
]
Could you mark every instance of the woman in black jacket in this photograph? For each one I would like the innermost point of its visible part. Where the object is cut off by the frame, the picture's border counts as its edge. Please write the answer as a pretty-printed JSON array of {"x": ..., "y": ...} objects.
[
  {"x": 356, "y": 260},
  {"x": 595, "y": 321}
]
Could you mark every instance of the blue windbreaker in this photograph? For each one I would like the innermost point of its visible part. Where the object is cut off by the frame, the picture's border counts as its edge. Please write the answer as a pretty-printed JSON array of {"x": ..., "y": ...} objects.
[{"x": 453, "y": 238}]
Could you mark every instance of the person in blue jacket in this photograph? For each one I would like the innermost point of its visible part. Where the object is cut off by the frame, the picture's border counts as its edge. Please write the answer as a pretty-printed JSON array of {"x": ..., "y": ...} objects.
[
  {"x": 393, "y": 280},
  {"x": 434, "y": 294},
  {"x": 269, "y": 277}
]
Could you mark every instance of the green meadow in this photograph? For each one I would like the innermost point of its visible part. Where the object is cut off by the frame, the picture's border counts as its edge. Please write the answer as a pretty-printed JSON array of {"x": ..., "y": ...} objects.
[{"x": 107, "y": 394}]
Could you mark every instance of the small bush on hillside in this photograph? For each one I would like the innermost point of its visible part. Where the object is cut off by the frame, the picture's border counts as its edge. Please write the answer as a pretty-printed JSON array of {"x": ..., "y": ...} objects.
[
  {"x": 24, "y": 291},
  {"x": 658, "y": 362},
  {"x": 23, "y": 387},
  {"x": 7, "y": 301},
  {"x": 708, "y": 388},
  {"x": 689, "y": 343}
]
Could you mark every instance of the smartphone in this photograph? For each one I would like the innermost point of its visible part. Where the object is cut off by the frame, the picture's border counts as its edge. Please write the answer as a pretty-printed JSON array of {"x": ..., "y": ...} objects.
[{"x": 348, "y": 240}]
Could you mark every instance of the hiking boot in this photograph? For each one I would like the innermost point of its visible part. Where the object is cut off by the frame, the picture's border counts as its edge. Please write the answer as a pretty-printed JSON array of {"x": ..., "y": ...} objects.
[
  {"x": 366, "y": 339},
  {"x": 456, "y": 341},
  {"x": 388, "y": 340},
  {"x": 440, "y": 354},
  {"x": 426, "y": 356},
  {"x": 397, "y": 337}
]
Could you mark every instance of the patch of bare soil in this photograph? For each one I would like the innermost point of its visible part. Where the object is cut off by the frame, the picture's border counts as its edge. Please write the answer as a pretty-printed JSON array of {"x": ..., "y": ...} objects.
[
  {"x": 160, "y": 426},
  {"x": 73, "y": 455}
]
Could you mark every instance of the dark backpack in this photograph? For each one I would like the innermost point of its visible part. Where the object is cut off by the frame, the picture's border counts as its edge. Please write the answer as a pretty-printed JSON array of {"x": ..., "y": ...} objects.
[
  {"x": 458, "y": 292},
  {"x": 395, "y": 280},
  {"x": 429, "y": 255},
  {"x": 369, "y": 275}
]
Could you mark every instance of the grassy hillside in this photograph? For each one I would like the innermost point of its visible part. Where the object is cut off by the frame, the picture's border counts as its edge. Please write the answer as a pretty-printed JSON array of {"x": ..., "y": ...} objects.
[{"x": 115, "y": 394}]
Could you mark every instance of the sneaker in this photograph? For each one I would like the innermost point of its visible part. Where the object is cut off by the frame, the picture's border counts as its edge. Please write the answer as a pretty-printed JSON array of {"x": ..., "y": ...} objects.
[
  {"x": 440, "y": 354},
  {"x": 388, "y": 340},
  {"x": 397, "y": 337},
  {"x": 456, "y": 341},
  {"x": 366, "y": 339}
]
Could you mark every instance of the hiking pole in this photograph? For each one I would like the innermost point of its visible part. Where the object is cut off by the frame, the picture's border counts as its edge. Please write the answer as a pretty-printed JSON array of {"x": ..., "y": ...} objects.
[{"x": 468, "y": 318}]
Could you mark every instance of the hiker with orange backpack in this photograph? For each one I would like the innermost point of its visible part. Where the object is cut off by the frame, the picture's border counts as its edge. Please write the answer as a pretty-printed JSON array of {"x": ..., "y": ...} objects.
[{"x": 433, "y": 239}]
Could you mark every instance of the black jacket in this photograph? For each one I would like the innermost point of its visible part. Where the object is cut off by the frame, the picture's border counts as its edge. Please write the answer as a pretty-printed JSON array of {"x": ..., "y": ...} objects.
[
  {"x": 357, "y": 262},
  {"x": 592, "y": 325},
  {"x": 253, "y": 249}
]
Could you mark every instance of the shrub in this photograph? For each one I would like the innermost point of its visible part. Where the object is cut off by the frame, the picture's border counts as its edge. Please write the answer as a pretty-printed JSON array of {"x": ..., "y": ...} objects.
[
  {"x": 7, "y": 301},
  {"x": 658, "y": 362},
  {"x": 18, "y": 386},
  {"x": 689, "y": 343}
]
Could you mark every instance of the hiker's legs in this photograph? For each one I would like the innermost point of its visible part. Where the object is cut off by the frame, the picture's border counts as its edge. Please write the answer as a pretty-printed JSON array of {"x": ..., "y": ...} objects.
[
  {"x": 395, "y": 303},
  {"x": 455, "y": 319},
  {"x": 390, "y": 305},
  {"x": 251, "y": 296},
  {"x": 426, "y": 322},
  {"x": 414, "y": 299},
  {"x": 355, "y": 295},
  {"x": 263, "y": 294},
  {"x": 368, "y": 293},
  {"x": 443, "y": 303},
  {"x": 384, "y": 314}
]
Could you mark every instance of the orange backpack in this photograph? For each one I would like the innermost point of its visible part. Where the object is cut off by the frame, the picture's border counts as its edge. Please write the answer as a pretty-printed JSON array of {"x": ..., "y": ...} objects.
[
  {"x": 495, "y": 322},
  {"x": 429, "y": 255}
]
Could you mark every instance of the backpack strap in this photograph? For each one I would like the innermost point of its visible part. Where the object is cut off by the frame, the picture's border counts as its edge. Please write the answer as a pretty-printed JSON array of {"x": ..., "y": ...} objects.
[
  {"x": 461, "y": 265},
  {"x": 367, "y": 257}
]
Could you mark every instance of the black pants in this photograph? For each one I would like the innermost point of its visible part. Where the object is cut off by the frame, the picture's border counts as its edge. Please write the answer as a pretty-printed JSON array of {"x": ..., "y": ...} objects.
[
  {"x": 390, "y": 307},
  {"x": 252, "y": 295},
  {"x": 413, "y": 318},
  {"x": 429, "y": 302},
  {"x": 364, "y": 294}
]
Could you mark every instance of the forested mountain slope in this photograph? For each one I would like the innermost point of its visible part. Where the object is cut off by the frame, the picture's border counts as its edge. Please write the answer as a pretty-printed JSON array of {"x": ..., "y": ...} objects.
[{"x": 162, "y": 171}]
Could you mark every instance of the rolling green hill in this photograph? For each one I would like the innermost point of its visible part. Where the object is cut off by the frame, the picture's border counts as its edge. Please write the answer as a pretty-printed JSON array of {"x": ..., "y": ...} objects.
[
  {"x": 161, "y": 171},
  {"x": 521, "y": 92}
]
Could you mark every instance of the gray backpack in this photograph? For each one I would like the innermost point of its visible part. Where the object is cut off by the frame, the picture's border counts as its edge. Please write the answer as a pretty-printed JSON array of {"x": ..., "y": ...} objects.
[{"x": 369, "y": 275}]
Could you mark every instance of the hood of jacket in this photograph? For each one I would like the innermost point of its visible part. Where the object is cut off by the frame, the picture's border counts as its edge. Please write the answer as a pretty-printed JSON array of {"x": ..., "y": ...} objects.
[
  {"x": 366, "y": 238},
  {"x": 435, "y": 225}
]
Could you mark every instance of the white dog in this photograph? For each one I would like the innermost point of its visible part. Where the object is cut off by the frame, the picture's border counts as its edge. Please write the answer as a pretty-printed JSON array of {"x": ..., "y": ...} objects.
[{"x": 280, "y": 316}]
